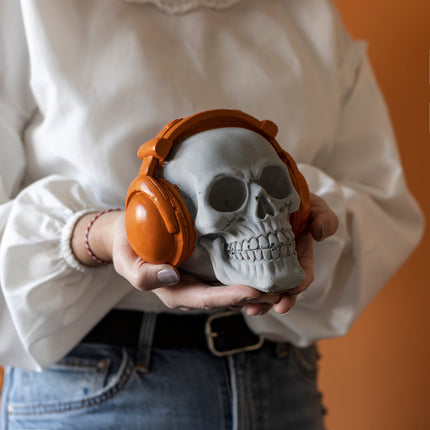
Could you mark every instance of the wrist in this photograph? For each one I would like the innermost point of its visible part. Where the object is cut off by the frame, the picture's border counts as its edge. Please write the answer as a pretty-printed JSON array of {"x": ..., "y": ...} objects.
[{"x": 92, "y": 237}]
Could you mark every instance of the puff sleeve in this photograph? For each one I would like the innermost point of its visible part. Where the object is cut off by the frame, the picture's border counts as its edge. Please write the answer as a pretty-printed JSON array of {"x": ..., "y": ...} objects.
[
  {"x": 380, "y": 223},
  {"x": 45, "y": 293}
]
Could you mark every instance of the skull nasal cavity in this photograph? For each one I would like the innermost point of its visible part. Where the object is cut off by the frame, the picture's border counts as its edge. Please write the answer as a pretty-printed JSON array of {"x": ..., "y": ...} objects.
[{"x": 264, "y": 207}]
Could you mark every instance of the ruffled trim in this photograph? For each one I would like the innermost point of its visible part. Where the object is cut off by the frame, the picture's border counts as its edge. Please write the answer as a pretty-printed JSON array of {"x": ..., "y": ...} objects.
[
  {"x": 66, "y": 236},
  {"x": 177, "y": 7}
]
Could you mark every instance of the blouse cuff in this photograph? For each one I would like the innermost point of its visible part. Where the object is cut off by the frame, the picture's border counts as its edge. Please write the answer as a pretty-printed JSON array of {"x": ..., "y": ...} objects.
[{"x": 65, "y": 249}]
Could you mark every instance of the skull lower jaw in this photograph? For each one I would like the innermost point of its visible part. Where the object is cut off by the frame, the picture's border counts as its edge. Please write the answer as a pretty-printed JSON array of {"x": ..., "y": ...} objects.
[{"x": 269, "y": 272}]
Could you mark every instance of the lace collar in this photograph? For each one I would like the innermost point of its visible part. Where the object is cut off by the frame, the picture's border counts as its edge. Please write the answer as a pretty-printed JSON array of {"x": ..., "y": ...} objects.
[{"x": 183, "y": 6}]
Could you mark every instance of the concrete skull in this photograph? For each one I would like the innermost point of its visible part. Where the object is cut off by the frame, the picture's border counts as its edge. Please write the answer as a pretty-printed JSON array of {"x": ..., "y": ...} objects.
[{"x": 240, "y": 196}]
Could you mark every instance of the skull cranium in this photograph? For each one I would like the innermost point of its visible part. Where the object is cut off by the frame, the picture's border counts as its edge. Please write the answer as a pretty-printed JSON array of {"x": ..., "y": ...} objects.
[{"x": 240, "y": 196}]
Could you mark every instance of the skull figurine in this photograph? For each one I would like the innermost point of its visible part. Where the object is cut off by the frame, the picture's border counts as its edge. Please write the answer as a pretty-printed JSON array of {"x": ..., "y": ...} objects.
[{"x": 240, "y": 196}]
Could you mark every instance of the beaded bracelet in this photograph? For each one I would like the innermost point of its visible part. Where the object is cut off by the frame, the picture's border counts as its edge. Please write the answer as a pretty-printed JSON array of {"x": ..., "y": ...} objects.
[{"x": 87, "y": 232}]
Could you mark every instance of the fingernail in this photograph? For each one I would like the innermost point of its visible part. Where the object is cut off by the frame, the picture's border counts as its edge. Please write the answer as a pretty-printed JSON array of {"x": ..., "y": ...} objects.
[
  {"x": 323, "y": 231},
  {"x": 320, "y": 234},
  {"x": 168, "y": 277}
]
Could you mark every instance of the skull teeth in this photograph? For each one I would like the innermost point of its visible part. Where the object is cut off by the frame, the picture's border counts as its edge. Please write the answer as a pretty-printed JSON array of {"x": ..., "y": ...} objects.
[{"x": 271, "y": 246}]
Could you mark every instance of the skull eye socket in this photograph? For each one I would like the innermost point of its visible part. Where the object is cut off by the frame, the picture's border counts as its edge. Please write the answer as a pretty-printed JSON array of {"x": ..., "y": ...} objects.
[
  {"x": 227, "y": 194},
  {"x": 275, "y": 181}
]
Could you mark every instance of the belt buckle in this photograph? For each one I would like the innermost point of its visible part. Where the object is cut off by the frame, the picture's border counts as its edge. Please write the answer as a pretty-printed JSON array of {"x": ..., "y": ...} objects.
[{"x": 253, "y": 342}]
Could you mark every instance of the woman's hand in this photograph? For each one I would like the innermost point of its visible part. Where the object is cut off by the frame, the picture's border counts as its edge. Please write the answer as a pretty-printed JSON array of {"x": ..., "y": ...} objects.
[
  {"x": 179, "y": 290},
  {"x": 322, "y": 224},
  {"x": 108, "y": 240}
]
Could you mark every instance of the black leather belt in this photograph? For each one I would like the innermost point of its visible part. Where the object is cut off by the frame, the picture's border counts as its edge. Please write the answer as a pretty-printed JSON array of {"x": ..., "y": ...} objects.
[{"x": 222, "y": 333}]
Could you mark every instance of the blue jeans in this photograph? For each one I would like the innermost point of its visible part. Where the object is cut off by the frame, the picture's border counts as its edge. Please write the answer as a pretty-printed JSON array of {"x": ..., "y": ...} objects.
[{"x": 100, "y": 386}]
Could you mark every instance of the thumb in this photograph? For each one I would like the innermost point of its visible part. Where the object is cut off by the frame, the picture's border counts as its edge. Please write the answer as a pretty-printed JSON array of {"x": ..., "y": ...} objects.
[{"x": 141, "y": 274}]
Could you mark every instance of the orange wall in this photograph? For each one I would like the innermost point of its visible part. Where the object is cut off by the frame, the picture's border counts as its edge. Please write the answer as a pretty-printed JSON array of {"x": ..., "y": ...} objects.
[{"x": 377, "y": 376}]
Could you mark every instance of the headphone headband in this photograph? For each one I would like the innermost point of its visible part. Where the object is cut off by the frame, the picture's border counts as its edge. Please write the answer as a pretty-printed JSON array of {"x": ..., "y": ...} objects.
[{"x": 154, "y": 152}]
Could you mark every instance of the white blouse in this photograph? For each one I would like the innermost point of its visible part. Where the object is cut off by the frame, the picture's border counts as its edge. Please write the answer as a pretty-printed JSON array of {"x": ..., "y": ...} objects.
[{"x": 83, "y": 83}]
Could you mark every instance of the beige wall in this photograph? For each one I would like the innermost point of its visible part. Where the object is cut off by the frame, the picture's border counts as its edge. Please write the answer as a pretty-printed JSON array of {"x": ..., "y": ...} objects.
[{"x": 377, "y": 376}]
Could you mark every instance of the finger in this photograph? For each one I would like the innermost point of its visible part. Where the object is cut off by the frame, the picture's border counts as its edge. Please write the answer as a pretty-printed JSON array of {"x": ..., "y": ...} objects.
[
  {"x": 149, "y": 276},
  {"x": 285, "y": 304},
  {"x": 323, "y": 222},
  {"x": 260, "y": 298},
  {"x": 203, "y": 296},
  {"x": 263, "y": 299},
  {"x": 305, "y": 255},
  {"x": 305, "y": 251},
  {"x": 270, "y": 298},
  {"x": 261, "y": 305},
  {"x": 266, "y": 308},
  {"x": 258, "y": 309},
  {"x": 142, "y": 275},
  {"x": 236, "y": 308}
]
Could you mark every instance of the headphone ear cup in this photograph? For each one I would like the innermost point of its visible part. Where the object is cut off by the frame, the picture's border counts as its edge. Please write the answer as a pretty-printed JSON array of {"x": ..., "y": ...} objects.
[{"x": 158, "y": 224}]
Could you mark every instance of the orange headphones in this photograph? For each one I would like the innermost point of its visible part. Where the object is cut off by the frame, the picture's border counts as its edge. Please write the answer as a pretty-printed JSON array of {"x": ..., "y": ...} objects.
[{"x": 158, "y": 223}]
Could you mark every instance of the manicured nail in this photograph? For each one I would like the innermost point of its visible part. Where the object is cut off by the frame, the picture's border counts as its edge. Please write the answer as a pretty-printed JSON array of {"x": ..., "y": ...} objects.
[
  {"x": 168, "y": 277},
  {"x": 323, "y": 231},
  {"x": 319, "y": 235}
]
